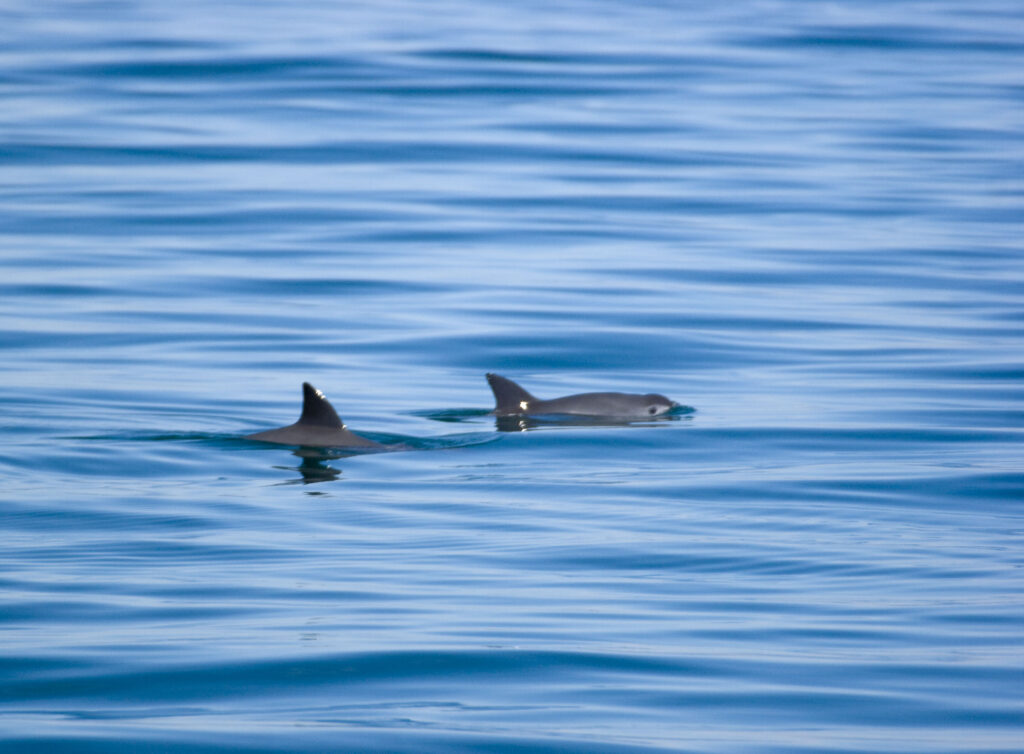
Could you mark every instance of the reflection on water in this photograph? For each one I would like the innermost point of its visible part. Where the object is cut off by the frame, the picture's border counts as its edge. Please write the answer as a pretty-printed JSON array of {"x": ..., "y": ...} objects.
[
  {"x": 523, "y": 423},
  {"x": 313, "y": 468}
]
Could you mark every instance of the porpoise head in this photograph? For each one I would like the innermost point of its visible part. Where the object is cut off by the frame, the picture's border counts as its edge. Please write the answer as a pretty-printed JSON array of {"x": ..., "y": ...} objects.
[{"x": 655, "y": 404}]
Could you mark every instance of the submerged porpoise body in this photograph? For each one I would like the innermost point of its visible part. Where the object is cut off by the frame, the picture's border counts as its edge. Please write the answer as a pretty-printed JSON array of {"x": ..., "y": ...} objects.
[
  {"x": 512, "y": 400},
  {"x": 318, "y": 427}
]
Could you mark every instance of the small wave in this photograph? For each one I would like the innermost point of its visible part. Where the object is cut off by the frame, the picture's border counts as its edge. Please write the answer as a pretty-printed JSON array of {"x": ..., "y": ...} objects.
[{"x": 453, "y": 415}]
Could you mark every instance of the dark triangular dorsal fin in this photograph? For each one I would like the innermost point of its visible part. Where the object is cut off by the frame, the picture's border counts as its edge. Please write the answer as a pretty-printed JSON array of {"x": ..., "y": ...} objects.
[
  {"x": 508, "y": 395},
  {"x": 317, "y": 410}
]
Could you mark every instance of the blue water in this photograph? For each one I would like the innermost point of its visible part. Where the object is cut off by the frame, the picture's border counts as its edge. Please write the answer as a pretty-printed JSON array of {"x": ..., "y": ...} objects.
[{"x": 803, "y": 220}]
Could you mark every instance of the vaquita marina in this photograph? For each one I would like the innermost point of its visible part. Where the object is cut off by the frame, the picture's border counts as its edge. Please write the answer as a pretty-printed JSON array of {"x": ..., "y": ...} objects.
[{"x": 597, "y": 376}]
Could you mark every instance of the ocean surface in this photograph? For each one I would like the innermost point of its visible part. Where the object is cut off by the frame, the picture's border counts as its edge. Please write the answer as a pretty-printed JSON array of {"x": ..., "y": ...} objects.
[{"x": 804, "y": 221}]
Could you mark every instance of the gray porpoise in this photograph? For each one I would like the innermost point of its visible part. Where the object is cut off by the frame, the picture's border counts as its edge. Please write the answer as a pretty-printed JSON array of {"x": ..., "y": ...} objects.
[
  {"x": 513, "y": 399},
  {"x": 318, "y": 427}
]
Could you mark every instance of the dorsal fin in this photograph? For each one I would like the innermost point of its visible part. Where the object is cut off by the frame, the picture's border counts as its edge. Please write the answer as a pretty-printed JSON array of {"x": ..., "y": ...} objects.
[
  {"x": 509, "y": 396},
  {"x": 317, "y": 410}
]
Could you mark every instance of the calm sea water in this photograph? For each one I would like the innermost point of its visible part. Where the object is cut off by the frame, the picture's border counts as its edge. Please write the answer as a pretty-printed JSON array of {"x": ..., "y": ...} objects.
[{"x": 803, "y": 220}]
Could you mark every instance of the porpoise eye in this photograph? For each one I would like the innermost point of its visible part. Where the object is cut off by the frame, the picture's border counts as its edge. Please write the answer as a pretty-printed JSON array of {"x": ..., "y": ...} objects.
[{"x": 652, "y": 410}]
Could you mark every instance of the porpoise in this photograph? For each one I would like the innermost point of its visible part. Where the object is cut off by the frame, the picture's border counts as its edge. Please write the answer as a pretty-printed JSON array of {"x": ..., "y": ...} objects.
[
  {"x": 318, "y": 427},
  {"x": 512, "y": 400}
]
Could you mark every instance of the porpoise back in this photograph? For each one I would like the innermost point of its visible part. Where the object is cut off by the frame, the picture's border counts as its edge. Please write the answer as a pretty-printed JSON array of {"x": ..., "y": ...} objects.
[
  {"x": 512, "y": 399},
  {"x": 319, "y": 426}
]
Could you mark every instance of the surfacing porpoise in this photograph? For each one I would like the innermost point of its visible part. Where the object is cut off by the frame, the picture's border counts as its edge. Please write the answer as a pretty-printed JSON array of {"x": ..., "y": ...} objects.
[
  {"x": 318, "y": 427},
  {"x": 513, "y": 400}
]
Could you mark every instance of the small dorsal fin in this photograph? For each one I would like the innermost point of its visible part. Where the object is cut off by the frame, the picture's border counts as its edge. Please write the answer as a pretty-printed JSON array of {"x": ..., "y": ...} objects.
[
  {"x": 510, "y": 397},
  {"x": 317, "y": 410}
]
